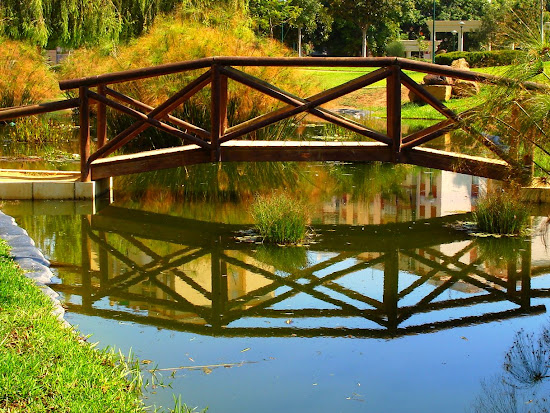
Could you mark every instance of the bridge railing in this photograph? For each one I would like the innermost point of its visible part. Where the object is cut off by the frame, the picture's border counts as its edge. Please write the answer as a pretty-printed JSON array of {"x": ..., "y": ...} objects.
[{"x": 390, "y": 147}]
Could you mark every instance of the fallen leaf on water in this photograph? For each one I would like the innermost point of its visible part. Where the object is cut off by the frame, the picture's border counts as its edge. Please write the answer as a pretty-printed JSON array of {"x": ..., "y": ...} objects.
[
  {"x": 246, "y": 349},
  {"x": 289, "y": 321},
  {"x": 206, "y": 370},
  {"x": 191, "y": 359},
  {"x": 146, "y": 361},
  {"x": 464, "y": 338}
]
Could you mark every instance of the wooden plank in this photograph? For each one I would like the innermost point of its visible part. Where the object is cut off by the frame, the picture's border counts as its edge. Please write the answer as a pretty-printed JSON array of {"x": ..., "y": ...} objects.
[
  {"x": 21, "y": 111},
  {"x": 148, "y": 161},
  {"x": 273, "y": 151},
  {"x": 455, "y": 162},
  {"x": 145, "y": 107},
  {"x": 84, "y": 114}
]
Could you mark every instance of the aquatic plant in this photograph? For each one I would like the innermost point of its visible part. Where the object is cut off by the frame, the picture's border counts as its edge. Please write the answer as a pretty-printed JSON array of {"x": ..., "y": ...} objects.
[
  {"x": 279, "y": 218},
  {"x": 501, "y": 213}
]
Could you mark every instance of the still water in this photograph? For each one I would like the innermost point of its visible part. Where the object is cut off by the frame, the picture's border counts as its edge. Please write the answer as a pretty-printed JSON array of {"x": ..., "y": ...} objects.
[{"x": 388, "y": 309}]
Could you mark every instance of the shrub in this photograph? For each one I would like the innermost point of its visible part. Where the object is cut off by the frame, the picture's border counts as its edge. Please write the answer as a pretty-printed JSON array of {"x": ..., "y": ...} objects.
[
  {"x": 396, "y": 49},
  {"x": 280, "y": 219},
  {"x": 481, "y": 59},
  {"x": 501, "y": 213}
]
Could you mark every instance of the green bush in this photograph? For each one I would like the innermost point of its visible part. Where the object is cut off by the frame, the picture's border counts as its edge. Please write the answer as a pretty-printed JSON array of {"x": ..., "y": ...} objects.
[
  {"x": 481, "y": 59},
  {"x": 501, "y": 213},
  {"x": 396, "y": 49},
  {"x": 280, "y": 219}
]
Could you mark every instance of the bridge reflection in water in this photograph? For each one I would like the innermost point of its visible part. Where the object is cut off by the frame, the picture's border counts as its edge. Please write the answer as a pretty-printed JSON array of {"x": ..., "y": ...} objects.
[{"x": 374, "y": 281}]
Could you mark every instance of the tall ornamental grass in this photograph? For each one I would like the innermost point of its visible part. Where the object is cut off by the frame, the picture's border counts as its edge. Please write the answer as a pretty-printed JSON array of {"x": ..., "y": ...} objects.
[
  {"x": 280, "y": 219},
  {"x": 501, "y": 213}
]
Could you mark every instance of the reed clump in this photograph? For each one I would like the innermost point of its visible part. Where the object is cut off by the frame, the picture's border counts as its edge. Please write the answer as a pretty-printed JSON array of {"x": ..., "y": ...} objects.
[
  {"x": 501, "y": 213},
  {"x": 25, "y": 78},
  {"x": 280, "y": 218}
]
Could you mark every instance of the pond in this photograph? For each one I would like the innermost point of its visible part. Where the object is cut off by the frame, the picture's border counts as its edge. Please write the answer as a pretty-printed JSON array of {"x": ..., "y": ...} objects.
[{"x": 388, "y": 309}]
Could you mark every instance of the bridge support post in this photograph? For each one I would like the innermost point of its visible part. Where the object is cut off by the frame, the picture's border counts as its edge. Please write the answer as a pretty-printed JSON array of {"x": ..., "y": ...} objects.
[
  {"x": 84, "y": 112},
  {"x": 393, "y": 109},
  {"x": 101, "y": 119},
  {"x": 218, "y": 111}
]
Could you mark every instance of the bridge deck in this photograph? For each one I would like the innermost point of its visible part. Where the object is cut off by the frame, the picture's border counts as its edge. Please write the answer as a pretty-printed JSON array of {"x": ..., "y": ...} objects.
[{"x": 263, "y": 151}]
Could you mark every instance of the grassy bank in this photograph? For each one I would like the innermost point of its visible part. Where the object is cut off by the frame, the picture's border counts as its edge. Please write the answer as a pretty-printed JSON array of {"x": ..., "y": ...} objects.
[{"x": 44, "y": 367}]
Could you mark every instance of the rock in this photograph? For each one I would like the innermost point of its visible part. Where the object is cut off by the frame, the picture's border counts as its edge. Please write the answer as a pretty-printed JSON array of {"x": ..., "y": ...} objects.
[
  {"x": 460, "y": 64},
  {"x": 465, "y": 88},
  {"x": 441, "y": 92},
  {"x": 437, "y": 80}
]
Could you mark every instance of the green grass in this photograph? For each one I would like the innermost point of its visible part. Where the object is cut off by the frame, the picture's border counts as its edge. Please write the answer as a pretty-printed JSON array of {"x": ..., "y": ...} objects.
[
  {"x": 334, "y": 76},
  {"x": 501, "y": 213},
  {"x": 280, "y": 219},
  {"x": 45, "y": 367}
]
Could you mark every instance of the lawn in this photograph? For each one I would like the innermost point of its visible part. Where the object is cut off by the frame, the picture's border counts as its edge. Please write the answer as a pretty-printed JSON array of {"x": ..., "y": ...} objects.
[{"x": 45, "y": 367}]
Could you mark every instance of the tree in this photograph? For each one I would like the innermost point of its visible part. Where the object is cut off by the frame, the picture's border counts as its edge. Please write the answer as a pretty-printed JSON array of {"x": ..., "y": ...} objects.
[
  {"x": 267, "y": 14},
  {"x": 365, "y": 14},
  {"x": 308, "y": 15}
]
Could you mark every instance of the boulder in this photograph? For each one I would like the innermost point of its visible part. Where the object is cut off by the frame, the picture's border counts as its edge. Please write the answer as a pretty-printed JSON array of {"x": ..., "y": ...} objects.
[
  {"x": 441, "y": 92},
  {"x": 464, "y": 88},
  {"x": 437, "y": 80},
  {"x": 460, "y": 64}
]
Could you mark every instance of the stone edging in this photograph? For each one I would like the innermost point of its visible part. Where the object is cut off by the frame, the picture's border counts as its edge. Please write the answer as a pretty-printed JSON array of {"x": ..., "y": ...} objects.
[{"x": 33, "y": 263}]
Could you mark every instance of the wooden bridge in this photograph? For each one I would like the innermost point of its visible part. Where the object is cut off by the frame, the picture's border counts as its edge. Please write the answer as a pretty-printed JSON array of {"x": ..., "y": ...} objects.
[{"x": 224, "y": 143}]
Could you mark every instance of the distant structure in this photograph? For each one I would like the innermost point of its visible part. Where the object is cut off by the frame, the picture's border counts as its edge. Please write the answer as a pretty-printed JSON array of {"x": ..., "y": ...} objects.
[
  {"x": 458, "y": 28},
  {"x": 419, "y": 48}
]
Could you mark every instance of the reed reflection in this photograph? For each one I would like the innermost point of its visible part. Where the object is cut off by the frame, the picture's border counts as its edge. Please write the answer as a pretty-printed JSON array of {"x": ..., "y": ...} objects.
[{"x": 374, "y": 281}]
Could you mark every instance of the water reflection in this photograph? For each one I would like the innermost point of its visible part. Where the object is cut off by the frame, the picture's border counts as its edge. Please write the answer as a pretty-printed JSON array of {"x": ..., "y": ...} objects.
[
  {"x": 383, "y": 281},
  {"x": 354, "y": 194}
]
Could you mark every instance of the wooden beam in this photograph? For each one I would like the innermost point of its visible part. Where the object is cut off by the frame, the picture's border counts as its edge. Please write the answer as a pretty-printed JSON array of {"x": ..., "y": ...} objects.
[
  {"x": 251, "y": 151},
  {"x": 151, "y": 121},
  {"x": 21, "y": 111},
  {"x": 160, "y": 111},
  {"x": 455, "y": 162},
  {"x": 428, "y": 134},
  {"x": 361, "y": 62},
  {"x": 101, "y": 119},
  {"x": 428, "y": 97},
  {"x": 274, "y": 151},
  {"x": 145, "y": 107},
  {"x": 84, "y": 114},
  {"x": 393, "y": 110},
  {"x": 306, "y": 106},
  {"x": 295, "y": 101}
]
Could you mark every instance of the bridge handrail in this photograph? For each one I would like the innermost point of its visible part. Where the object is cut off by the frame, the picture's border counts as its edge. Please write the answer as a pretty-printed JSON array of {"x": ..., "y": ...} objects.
[{"x": 170, "y": 68}]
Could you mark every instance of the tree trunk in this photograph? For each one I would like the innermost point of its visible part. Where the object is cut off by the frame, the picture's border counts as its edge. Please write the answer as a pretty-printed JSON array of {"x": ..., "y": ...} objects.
[
  {"x": 299, "y": 42},
  {"x": 364, "y": 45}
]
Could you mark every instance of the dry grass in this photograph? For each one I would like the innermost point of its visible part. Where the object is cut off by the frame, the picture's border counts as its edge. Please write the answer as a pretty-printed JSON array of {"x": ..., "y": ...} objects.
[{"x": 24, "y": 76}]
